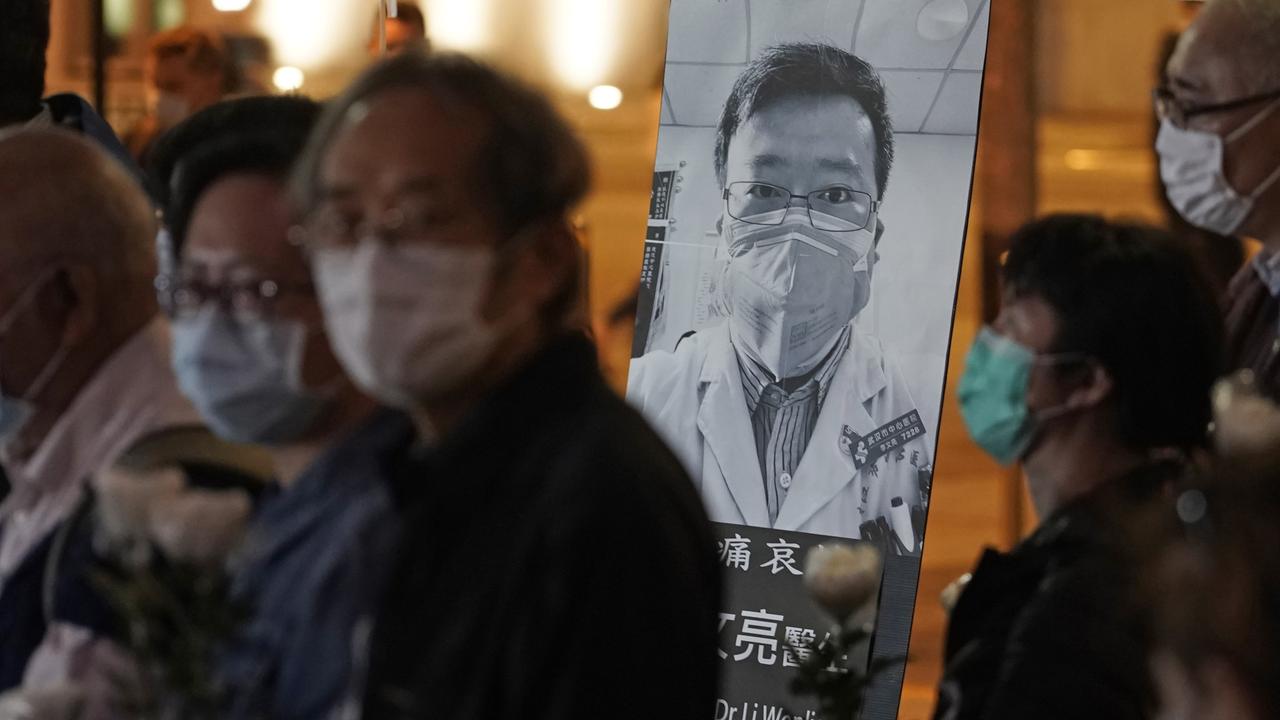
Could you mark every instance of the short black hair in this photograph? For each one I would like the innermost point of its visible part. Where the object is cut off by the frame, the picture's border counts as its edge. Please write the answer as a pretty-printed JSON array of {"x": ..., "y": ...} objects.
[
  {"x": 1129, "y": 297},
  {"x": 259, "y": 135},
  {"x": 795, "y": 70},
  {"x": 24, "y": 39}
]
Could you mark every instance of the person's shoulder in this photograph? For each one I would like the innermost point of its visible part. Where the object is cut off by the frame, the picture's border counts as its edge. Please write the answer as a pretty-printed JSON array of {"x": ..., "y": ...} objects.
[
  {"x": 1084, "y": 587},
  {"x": 616, "y": 456}
]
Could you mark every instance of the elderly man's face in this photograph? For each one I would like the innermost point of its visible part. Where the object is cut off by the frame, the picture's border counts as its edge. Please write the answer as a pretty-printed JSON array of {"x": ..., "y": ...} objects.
[
  {"x": 402, "y": 153},
  {"x": 1212, "y": 65}
]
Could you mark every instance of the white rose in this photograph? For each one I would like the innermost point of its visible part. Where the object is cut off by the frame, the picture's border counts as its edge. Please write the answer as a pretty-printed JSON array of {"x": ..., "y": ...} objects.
[
  {"x": 1244, "y": 422},
  {"x": 202, "y": 526},
  {"x": 63, "y": 702},
  {"x": 842, "y": 578},
  {"x": 124, "y": 505},
  {"x": 951, "y": 593}
]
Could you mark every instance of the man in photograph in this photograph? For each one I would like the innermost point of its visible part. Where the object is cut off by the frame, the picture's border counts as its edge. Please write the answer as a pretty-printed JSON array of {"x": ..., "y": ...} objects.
[{"x": 786, "y": 415}]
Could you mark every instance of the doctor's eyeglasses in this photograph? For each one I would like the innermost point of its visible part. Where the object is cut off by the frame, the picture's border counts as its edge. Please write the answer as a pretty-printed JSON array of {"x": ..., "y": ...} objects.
[{"x": 833, "y": 209}]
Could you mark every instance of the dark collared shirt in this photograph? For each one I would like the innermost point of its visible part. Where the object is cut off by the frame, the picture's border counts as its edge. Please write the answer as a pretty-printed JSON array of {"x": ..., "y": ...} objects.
[{"x": 318, "y": 554}]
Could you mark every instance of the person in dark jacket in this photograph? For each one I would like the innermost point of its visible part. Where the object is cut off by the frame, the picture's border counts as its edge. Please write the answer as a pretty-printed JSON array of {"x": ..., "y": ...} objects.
[
  {"x": 1096, "y": 376},
  {"x": 250, "y": 351},
  {"x": 557, "y": 562},
  {"x": 1219, "y": 147}
]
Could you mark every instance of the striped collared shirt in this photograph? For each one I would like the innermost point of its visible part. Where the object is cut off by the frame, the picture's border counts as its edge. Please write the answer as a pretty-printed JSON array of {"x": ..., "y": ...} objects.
[{"x": 782, "y": 421}]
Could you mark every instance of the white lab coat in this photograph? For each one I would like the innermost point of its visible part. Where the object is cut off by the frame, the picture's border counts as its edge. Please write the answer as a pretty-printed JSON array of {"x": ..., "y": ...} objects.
[{"x": 694, "y": 398}]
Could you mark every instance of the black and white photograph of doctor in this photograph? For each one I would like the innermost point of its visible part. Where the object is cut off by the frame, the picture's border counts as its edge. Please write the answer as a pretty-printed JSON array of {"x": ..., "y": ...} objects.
[{"x": 786, "y": 414}]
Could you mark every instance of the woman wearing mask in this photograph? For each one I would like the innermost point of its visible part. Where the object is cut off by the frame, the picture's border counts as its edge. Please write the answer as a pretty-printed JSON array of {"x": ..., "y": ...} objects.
[
  {"x": 1098, "y": 365},
  {"x": 251, "y": 353}
]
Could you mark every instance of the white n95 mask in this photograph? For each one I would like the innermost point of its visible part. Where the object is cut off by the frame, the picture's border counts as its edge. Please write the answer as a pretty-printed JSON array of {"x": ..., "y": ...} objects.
[
  {"x": 405, "y": 320},
  {"x": 791, "y": 290},
  {"x": 1191, "y": 166}
]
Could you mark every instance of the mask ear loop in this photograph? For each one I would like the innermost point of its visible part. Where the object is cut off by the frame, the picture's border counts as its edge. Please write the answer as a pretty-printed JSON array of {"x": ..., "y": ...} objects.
[
  {"x": 55, "y": 361},
  {"x": 1051, "y": 413},
  {"x": 1243, "y": 130},
  {"x": 1266, "y": 184}
]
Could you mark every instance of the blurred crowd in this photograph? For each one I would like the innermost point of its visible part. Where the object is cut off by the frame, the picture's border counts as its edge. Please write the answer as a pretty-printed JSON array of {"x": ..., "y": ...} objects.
[{"x": 298, "y": 418}]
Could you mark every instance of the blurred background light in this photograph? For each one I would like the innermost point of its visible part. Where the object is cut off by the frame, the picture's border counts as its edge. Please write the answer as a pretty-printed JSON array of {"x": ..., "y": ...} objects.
[
  {"x": 459, "y": 24},
  {"x": 309, "y": 34},
  {"x": 604, "y": 97},
  {"x": 231, "y": 5},
  {"x": 582, "y": 37},
  {"x": 288, "y": 78}
]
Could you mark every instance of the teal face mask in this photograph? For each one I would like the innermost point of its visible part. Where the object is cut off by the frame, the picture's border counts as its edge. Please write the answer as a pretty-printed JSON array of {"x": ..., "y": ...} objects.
[{"x": 993, "y": 395}]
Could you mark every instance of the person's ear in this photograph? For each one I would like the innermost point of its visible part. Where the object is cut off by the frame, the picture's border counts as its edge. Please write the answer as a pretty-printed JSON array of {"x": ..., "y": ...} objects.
[
  {"x": 875, "y": 245},
  {"x": 536, "y": 268},
  {"x": 1096, "y": 385},
  {"x": 79, "y": 284}
]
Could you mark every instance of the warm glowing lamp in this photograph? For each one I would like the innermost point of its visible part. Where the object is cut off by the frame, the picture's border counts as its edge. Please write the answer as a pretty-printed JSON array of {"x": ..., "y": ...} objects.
[
  {"x": 604, "y": 97},
  {"x": 231, "y": 5},
  {"x": 288, "y": 78}
]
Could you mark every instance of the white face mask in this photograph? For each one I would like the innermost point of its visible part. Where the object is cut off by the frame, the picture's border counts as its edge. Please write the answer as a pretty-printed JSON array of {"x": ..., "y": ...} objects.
[
  {"x": 171, "y": 109},
  {"x": 1191, "y": 166},
  {"x": 405, "y": 320},
  {"x": 791, "y": 290}
]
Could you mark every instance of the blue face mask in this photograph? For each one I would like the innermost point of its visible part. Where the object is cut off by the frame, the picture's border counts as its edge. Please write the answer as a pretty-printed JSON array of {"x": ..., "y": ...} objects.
[
  {"x": 245, "y": 378},
  {"x": 993, "y": 395}
]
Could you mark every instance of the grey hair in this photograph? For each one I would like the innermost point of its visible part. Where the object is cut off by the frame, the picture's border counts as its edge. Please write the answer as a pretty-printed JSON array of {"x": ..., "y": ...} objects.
[
  {"x": 1261, "y": 44},
  {"x": 67, "y": 199},
  {"x": 534, "y": 163}
]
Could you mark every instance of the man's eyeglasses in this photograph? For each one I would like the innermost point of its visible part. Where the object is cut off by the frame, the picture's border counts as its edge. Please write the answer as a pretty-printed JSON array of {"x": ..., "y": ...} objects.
[
  {"x": 1177, "y": 111},
  {"x": 833, "y": 209},
  {"x": 244, "y": 299},
  {"x": 331, "y": 227}
]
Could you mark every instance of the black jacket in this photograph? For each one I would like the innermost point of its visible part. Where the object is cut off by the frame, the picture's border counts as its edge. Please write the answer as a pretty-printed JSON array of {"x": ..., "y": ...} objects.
[
  {"x": 1050, "y": 630},
  {"x": 557, "y": 563}
]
